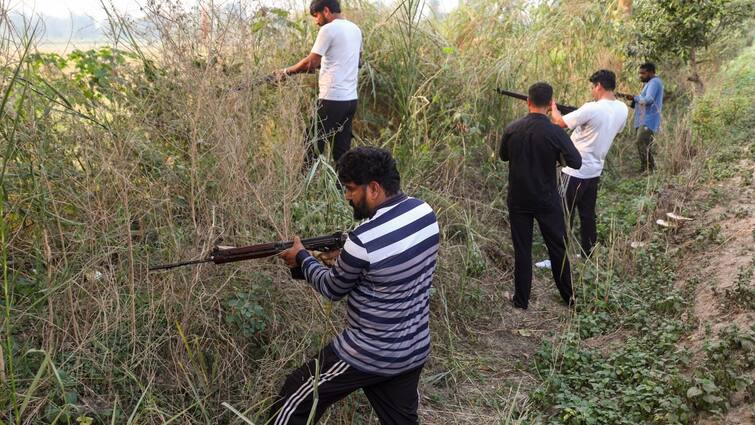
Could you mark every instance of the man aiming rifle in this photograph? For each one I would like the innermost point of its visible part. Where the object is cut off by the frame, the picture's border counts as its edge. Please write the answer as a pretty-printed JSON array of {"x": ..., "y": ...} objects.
[
  {"x": 385, "y": 271},
  {"x": 647, "y": 114},
  {"x": 595, "y": 126},
  {"x": 533, "y": 145}
]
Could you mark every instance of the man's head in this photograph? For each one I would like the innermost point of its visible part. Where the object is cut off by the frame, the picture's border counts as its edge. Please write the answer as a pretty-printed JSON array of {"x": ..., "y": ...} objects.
[
  {"x": 369, "y": 176},
  {"x": 603, "y": 81},
  {"x": 539, "y": 97},
  {"x": 647, "y": 71},
  {"x": 324, "y": 11}
]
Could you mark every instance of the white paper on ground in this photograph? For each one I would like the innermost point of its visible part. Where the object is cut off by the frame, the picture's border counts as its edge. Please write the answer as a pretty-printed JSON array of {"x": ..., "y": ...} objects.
[{"x": 677, "y": 217}]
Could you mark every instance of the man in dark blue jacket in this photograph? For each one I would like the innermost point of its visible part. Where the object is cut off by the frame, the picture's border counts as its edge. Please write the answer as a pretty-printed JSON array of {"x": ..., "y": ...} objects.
[{"x": 533, "y": 146}]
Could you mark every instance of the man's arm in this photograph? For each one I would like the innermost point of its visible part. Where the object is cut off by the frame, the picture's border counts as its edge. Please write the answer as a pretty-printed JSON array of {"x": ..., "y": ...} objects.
[
  {"x": 312, "y": 61},
  {"x": 650, "y": 95},
  {"x": 307, "y": 65},
  {"x": 572, "y": 119},
  {"x": 568, "y": 151},
  {"x": 556, "y": 116},
  {"x": 333, "y": 283},
  {"x": 503, "y": 150}
]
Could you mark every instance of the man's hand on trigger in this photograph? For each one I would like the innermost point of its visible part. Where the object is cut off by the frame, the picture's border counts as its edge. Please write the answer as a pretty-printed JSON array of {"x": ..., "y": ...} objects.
[
  {"x": 289, "y": 255},
  {"x": 329, "y": 258}
]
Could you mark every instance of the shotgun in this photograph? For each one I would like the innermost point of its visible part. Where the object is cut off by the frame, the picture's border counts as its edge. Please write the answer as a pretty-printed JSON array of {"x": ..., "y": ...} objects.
[
  {"x": 565, "y": 109},
  {"x": 220, "y": 255}
]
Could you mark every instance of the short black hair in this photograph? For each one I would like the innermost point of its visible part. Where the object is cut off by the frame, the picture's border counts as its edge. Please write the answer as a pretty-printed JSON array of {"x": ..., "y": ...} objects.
[
  {"x": 541, "y": 94},
  {"x": 365, "y": 164},
  {"x": 605, "y": 78},
  {"x": 320, "y": 5},
  {"x": 648, "y": 66}
]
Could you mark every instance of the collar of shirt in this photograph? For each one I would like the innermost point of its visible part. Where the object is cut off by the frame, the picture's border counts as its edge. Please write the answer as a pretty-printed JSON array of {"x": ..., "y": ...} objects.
[
  {"x": 393, "y": 200},
  {"x": 538, "y": 115}
]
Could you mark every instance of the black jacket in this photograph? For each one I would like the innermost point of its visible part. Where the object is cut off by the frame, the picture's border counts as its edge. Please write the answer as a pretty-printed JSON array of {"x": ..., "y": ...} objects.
[{"x": 533, "y": 146}]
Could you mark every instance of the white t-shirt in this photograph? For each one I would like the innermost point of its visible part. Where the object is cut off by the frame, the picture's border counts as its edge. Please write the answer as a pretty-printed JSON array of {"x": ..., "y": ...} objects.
[
  {"x": 339, "y": 43},
  {"x": 595, "y": 125}
]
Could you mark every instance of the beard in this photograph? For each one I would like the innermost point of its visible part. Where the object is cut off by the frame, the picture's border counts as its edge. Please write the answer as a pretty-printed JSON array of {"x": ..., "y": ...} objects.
[
  {"x": 645, "y": 79},
  {"x": 360, "y": 211}
]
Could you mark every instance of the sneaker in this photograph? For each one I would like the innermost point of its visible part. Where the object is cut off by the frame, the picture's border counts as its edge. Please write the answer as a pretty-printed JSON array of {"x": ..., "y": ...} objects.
[{"x": 545, "y": 264}]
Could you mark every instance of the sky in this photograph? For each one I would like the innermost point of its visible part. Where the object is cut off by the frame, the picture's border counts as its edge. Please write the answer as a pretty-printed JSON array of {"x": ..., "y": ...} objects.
[
  {"x": 65, "y": 8},
  {"x": 93, "y": 8},
  {"x": 81, "y": 20}
]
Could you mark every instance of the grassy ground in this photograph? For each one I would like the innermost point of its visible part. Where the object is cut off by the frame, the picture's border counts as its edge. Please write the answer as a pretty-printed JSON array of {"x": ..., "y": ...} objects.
[{"x": 117, "y": 159}]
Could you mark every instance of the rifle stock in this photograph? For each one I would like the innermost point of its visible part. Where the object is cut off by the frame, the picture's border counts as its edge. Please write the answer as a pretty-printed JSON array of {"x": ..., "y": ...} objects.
[
  {"x": 564, "y": 109},
  {"x": 230, "y": 255}
]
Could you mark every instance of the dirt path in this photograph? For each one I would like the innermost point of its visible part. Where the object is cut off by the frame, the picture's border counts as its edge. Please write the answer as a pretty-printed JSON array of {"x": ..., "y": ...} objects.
[
  {"x": 722, "y": 240},
  {"x": 491, "y": 374}
]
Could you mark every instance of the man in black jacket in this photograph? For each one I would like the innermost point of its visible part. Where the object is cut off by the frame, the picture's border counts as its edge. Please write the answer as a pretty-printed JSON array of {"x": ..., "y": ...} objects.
[{"x": 533, "y": 146}]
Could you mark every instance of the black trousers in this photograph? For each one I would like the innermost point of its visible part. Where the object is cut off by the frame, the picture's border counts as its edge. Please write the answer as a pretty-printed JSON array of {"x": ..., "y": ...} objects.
[
  {"x": 333, "y": 124},
  {"x": 581, "y": 195},
  {"x": 394, "y": 399},
  {"x": 553, "y": 229}
]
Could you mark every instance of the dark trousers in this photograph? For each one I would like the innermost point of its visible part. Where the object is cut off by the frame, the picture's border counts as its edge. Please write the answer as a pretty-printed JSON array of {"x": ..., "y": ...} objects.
[
  {"x": 581, "y": 195},
  {"x": 333, "y": 124},
  {"x": 645, "y": 146},
  {"x": 553, "y": 229},
  {"x": 394, "y": 399}
]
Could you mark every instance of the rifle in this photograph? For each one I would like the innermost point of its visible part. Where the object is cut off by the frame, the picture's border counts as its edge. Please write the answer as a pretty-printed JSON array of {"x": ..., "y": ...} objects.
[
  {"x": 267, "y": 79},
  {"x": 623, "y": 96},
  {"x": 565, "y": 109},
  {"x": 220, "y": 255}
]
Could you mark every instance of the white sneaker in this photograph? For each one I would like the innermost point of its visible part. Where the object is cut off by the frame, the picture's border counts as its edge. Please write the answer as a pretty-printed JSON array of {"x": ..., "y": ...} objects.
[{"x": 545, "y": 264}]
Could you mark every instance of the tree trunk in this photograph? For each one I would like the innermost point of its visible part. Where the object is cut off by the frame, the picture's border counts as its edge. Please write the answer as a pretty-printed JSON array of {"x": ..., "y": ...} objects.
[{"x": 695, "y": 77}]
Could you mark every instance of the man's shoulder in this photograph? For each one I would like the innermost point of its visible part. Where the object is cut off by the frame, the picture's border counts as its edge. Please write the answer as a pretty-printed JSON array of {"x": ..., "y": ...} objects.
[
  {"x": 351, "y": 24},
  {"x": 655, "y": 81},
  {"x": 342, "y": 25},
  {"x": 408, "y": 205},
  {"x": 519, "y": 123},
  {"x": 622, "y": 106},
  {"x": 590, "y": 106}
]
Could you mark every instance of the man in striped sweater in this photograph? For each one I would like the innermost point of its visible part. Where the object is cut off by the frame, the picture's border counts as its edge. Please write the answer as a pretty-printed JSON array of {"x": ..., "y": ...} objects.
[{"x": 385, "y": 270}]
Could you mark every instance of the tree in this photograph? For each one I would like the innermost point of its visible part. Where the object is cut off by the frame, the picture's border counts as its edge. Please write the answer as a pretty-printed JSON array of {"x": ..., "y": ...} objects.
[{"x": 681, "y": 28}]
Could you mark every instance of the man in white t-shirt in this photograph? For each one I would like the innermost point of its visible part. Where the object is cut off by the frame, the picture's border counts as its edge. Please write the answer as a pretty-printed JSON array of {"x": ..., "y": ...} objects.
[
  {"x": 336, "y": 53},
  {"x": 595, "y": 125}
]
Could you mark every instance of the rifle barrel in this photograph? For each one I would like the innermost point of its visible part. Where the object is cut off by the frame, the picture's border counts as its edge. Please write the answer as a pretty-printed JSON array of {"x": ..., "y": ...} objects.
[
  {"x": 565, "y": 109},
  {"x": 229, "y": 255},
  {"x": 183, "y": 263}
]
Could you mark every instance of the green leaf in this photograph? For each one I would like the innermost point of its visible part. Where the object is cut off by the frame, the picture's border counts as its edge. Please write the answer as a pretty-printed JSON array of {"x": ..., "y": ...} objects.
[
  {"x": 709, "y": 386},
  {"x": 693, "y": 392}
]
